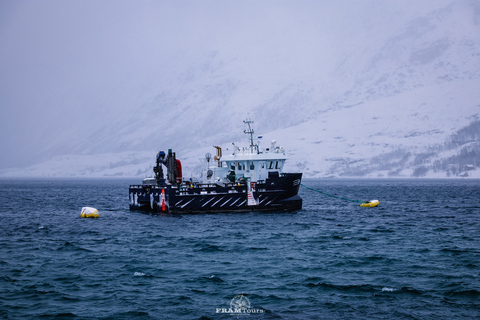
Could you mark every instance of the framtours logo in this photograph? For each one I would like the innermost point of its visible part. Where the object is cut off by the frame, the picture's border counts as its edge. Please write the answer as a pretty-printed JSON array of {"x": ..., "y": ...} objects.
[{"x": 240, "y": 305}]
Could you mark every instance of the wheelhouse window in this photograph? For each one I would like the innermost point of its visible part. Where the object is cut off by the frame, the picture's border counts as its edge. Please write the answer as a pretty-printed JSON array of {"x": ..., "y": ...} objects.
[{"x": 241, "y": 166}]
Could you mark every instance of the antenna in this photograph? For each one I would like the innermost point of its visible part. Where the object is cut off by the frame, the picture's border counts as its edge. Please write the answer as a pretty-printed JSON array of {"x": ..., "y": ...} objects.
[{"x": 250, "y": 132}]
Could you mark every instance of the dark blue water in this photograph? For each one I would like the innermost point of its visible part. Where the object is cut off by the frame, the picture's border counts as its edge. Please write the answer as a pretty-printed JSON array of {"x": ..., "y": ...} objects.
[{"x": 416, "y": 256}]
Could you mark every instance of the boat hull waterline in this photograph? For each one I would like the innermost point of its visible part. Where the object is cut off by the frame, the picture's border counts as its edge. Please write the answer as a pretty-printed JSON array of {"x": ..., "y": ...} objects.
[{"x": 276, "y": 194}]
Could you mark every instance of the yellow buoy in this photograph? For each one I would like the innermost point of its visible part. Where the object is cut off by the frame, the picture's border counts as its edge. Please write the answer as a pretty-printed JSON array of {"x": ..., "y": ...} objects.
[
  {"x": 371, "y": 203},
  {"x": 88, "y": 212}
]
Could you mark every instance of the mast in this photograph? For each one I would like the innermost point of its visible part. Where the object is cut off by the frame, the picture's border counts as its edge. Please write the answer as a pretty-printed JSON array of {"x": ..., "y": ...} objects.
[{"x": 250, "y": 131}]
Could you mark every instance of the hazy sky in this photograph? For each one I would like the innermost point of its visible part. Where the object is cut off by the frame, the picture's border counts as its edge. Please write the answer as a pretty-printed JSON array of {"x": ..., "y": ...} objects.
[
  {"x": 65, "y": 65},
  {"x": 67, "y": 62}
]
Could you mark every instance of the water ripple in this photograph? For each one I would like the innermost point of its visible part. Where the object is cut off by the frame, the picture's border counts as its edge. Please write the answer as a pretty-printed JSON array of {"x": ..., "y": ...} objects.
[{"x": 332, "y": 260}]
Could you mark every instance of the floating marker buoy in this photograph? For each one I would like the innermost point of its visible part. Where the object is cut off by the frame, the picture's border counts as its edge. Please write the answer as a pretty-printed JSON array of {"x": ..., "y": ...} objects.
[
  {"x": 371, "y": 203},
  {"x": 88, "y": 212}
]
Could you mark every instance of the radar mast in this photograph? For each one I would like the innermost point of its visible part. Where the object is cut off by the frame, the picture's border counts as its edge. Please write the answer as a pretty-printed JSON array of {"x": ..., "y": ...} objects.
[{"x": 250, "y": 132}]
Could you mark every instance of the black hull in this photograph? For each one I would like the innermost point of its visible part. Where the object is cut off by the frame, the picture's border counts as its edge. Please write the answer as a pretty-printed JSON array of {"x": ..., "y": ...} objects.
[{"x": 275, "y": 194}]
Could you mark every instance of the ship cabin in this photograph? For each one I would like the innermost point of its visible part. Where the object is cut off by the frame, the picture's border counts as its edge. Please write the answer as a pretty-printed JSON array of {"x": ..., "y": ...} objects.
[{"x": 250, "y": 164}]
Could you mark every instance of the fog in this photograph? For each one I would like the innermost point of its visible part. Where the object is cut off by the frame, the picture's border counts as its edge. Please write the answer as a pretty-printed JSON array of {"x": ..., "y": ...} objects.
[
  {"x": 68, "y": 68},
  {"x": 68, "y": 63}
]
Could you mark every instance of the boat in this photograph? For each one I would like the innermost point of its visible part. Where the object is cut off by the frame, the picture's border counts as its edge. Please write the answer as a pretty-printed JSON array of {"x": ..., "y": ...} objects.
[{"x": 244, "y": 179}]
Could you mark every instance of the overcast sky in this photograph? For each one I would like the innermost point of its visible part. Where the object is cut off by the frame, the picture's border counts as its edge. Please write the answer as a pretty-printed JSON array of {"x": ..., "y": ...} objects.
[{"x": 64, "y": 63}]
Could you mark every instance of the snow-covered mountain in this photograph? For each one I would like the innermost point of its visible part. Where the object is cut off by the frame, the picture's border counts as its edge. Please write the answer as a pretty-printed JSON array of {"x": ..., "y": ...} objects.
[{"x": 396, "y": 95}]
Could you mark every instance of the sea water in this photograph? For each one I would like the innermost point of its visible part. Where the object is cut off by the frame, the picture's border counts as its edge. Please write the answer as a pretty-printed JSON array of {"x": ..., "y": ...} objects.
[{"x": 416, "y": 256}]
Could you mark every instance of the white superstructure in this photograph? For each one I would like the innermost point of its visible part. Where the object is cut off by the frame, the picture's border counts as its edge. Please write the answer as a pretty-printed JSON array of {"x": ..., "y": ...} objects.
[{"x": 251, "y": 164}]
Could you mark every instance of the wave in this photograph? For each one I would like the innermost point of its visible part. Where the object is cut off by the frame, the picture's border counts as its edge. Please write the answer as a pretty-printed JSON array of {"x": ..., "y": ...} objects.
[
  {"x": 62, "y": 315},
  {"x": 354, "y": 287},
  {"x": 472, "y": 293},
  {"x": 458, "y": 251},
  {"x": 381, "y": 229},
  {"x": 402, "y": 290},
  {"x": 206, "y": 280},
  {"x": 207, "y": 248},
  {"x": 364, "y": 288},
  {"x": 73, "y": 279},
  {"x": 257, "y": 248},
  {"x": 129, "y": 315},
  {"x": 369, "y": 261},
  {"x": 69, "y": 246},
  {"x": 212, "y": 278},
  {"x": 389, "y": 289},
  {"x": 6, "y": 278}
]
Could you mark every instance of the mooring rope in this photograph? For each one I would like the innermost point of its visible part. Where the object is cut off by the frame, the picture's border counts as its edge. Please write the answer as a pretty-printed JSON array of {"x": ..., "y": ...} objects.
[{"x": 331, "y": 195}]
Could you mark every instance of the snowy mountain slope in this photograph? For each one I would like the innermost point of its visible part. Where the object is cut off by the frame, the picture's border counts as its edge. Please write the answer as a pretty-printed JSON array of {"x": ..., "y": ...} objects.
[
  {"x": 366, "y": 141},
  {"x": 359, "y": 141},
  {"x": 380, "y": 95}
]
